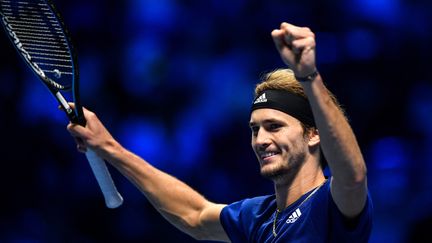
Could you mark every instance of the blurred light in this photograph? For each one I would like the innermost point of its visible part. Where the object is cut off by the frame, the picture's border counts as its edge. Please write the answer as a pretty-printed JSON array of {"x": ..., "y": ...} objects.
[
  {"x": 18, "y": 238},
  {"x": 389, "y": 153},
  {"x": 225, "y": 91},
  {"x": 328, "y": 48},
  {"x": 228, "y": 86},
  {"x": 85, "y": 15},
  {"x": 361, "y": 44},
  {"x": 129, "y": 190},
  {"x": 49, "y": 177},
  {"x": 215, "y": 181},
  {"x": 90, "y": 75},
  {"x": 379, "y": 11},
  {"x": 37, "y": 104},
  {"x": 8, "y": 83},
  {"x": 191, "y": 139},
  {"x": 147, "y": 139},
  {"x": 138, "y": 66},
  {"x": 82, "y": 180},
  {"x": 387, "y": 230},
  {"x": 417, "y": 20},
  {"x": 420, "y": 108},
  {"x": 234, "y": 9},
  {"x": 132, "y": 224},
  {"x": 31, "y": 228},
  {"x": 152, "y": 12},
  {"x": 356, "y": 96},
  {"x": 388, "y": 172},
  {"x": 32, "y": 223}
]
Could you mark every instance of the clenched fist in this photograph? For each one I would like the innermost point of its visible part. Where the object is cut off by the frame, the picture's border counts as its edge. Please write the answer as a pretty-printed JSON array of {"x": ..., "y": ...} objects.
[{"x": 296, "y": 46}]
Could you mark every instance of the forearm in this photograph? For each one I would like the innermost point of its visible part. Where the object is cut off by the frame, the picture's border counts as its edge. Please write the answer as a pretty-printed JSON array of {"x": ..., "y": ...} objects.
[
  {"x": 338, "y": 141},
  {"x": 296, "y": 45},
  {"x": 176, "y": 201}
]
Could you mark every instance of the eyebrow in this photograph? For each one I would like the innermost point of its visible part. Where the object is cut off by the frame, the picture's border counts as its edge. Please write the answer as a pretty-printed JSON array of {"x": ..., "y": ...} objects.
[{"x": 266, "y": 121}]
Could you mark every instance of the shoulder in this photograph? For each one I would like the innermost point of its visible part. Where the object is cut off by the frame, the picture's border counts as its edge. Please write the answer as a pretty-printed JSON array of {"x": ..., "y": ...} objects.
[{"x": 241, "y": 218}]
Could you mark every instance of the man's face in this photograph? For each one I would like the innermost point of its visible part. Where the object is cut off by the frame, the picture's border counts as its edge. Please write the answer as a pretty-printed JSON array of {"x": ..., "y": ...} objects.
[{"x": 278, "y": 142}]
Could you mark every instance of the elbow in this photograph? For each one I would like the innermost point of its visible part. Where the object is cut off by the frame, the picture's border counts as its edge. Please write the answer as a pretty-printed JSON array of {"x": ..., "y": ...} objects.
[
  {"x": 352, "y": 179},
  {"x": 199, "y": 237},
  {"x": 198, "y": 233},
  {"x": 195, "y": 232},
  {"x": 203, "y": 223},
  {"x": 192, "y": 227},
  {"x": 358, "y": 178},
  {"x": 198, "y": 228}
]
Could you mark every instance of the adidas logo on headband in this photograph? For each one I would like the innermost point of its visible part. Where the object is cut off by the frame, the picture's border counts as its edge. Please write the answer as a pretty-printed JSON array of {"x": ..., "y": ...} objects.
[
  {"x": 290, "y": 103},
  {"x": 261, "y": 99}
]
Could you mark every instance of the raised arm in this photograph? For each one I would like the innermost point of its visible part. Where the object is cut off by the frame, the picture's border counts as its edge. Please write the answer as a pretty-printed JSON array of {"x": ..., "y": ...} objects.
[
  {"x": 296, "y": 46},
  {"x": 178, "y": 203}
]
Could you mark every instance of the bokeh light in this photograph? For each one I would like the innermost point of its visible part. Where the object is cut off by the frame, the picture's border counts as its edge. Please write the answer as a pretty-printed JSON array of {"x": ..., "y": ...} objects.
[{"x": 173, "y": 81}]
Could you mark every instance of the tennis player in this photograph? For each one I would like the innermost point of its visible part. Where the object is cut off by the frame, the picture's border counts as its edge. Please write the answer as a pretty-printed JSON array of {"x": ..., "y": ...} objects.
[{"x": 297, "y": 128}]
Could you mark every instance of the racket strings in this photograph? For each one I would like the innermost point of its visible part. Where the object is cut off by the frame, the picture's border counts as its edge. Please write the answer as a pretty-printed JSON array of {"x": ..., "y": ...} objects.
[{"x": 37, "y": 29}]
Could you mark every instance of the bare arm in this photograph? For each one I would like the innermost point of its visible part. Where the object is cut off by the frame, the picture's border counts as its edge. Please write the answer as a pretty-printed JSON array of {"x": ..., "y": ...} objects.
[
  {"x": 178, "y": 203},
  {"x": 348, "y": 186}
]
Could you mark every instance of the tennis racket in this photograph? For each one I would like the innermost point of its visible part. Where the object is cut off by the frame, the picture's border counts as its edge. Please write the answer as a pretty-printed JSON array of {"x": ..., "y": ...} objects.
[{"x": 38, "y": 33}]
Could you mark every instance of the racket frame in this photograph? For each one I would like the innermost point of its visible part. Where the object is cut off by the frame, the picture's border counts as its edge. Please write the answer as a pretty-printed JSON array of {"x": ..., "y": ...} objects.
[{"x": 112, "y": 197}]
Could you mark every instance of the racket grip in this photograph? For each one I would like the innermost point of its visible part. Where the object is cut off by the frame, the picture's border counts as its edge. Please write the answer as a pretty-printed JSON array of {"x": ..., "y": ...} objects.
[{"x": 113, "y": 199}]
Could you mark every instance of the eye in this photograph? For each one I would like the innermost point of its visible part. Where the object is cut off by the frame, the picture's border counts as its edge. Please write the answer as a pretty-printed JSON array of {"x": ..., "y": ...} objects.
[
  {"x": 254, "y": 130},
  {"x": 274, "y": 126}
]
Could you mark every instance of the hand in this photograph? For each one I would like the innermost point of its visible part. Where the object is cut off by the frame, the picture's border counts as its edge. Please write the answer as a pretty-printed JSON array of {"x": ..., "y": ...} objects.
[
  {"x": 94, "y": 135},
  {"x": 296, "y": 46}
]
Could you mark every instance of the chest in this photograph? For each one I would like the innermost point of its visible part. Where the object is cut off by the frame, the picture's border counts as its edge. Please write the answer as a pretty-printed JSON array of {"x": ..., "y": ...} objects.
[{"x": 296, "y": 225}]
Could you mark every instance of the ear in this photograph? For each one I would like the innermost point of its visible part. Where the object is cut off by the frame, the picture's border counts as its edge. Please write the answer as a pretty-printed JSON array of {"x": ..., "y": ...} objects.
[{"x": 314, "y": 138}]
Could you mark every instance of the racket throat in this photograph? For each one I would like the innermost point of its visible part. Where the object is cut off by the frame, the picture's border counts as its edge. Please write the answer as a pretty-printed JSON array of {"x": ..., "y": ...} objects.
[
  {"x": 63, "y": 103},
  {"x": 67, "y": 108},
  {"x": 72, "y": 115}
]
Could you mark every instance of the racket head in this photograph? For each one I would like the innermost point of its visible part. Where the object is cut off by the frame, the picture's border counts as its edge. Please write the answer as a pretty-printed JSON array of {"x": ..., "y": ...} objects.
[{"x": 40, "y": 37}]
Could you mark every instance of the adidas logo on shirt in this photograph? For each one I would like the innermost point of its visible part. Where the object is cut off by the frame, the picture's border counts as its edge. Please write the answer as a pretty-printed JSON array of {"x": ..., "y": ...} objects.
[
  {"x": 261, "y": 99},
  {"x": 294, "y": 216}
]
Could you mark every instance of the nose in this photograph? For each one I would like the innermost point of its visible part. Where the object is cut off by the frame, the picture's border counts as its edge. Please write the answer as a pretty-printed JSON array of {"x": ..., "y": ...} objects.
[{"x": 262, "y": 139}]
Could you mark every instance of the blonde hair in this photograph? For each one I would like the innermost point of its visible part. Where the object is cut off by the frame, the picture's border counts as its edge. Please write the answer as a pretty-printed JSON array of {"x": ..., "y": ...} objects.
[{"x": 280, "y": 79}]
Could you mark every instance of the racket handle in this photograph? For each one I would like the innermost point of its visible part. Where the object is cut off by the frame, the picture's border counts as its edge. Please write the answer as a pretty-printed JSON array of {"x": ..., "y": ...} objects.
[{"x": 113, "y": 199}]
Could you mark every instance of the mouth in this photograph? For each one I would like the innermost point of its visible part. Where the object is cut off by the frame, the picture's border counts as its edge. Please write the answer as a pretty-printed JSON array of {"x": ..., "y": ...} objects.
[{"x": 267, "y": 156}]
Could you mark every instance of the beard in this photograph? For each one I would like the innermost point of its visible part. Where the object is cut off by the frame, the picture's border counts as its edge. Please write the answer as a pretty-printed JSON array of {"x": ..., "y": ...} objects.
[{"x": 285, "y": 168}]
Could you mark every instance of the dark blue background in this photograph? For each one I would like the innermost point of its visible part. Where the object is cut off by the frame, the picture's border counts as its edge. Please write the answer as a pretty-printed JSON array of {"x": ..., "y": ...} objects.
[{"x": 173, "y": 81}]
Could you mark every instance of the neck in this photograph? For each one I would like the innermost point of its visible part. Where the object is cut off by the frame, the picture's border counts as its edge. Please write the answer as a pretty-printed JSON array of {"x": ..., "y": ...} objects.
[{"x": 295, "y": 185}]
